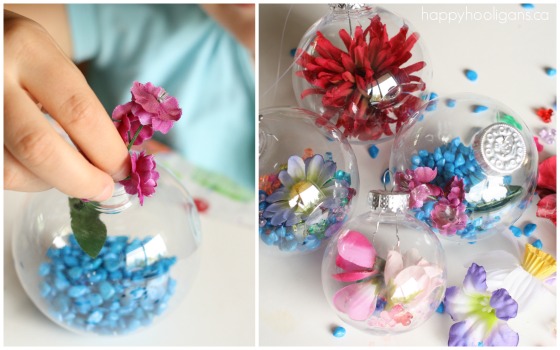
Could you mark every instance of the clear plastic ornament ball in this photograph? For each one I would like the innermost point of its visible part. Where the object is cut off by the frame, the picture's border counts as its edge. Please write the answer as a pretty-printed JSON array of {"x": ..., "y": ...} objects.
[
  {"x": 364, "y": 69},
  {"x": 385, "y": 271},
  {"x": 308, "y": 178},
  {"x": 144, "y": 269},
  {"x": 469, "y": 163}
]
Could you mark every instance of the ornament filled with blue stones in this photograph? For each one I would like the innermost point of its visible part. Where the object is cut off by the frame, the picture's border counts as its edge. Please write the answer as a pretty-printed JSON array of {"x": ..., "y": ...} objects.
[
  {"x": 307, "y": 180},
  {"x": 145, "y": 267},
  {"x": 469, "y": 163}
]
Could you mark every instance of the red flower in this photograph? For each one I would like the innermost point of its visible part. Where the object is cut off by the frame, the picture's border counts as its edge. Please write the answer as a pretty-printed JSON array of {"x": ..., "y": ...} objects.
[
  {"x": 153, "y": 106},
  {"x": 143, "y": 177},
  {"x": 546, "y": 189},
  {"x": 127, "y": 124},
  {"x": 344, "y": 78},
  {"x": 545, "y": 114}
]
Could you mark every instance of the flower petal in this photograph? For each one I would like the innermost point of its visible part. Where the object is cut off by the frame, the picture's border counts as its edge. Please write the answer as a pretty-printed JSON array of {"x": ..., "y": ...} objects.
[
  {"x": 393, "y": 265},
  {"x": 296, "y": 168},
  {"x": 412, "y": 257},
  {"x": 522, "y": 287},
  {"x": 355, "y": 248},
  {"x": 504, "y": 304},
  {"x": 356, "y": 300},
  {"x": 475, "y": 280},
  {"x": 457, "y": 303},
  {"x": 327, "y": 172},
  {"x": 285, "y": 179},
  {"x": 547, "y": 174},
  {"x": 353, "y": 276},
  {"x": 313, "y": 168},
  {"x": 502, "y": 335},
  {"x": 425, "y": 174},
  {"x": 281, "y": 194},
  {"x": 467, "y": 333},
  {"x": 409, "y": 284}
]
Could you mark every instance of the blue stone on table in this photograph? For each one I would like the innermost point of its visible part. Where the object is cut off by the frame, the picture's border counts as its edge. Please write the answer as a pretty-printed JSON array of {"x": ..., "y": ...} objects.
[
  {"x": 373, "y": 151},
  {"x": 529, "y": 229},
  {"x": 515, "y": 230},
  {"x": 450, "y": 102},
  {"x": 339, "y": 332},
  {"x": 537, "y": 244}
]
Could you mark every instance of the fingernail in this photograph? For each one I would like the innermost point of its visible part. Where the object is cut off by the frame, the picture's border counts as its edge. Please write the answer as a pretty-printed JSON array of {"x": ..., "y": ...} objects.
[{"x": 105, "y": 194}]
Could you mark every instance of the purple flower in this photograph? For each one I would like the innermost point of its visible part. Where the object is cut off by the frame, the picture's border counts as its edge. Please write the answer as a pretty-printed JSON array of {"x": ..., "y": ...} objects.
[
  {"x": 482, "y": 315},
  {"x": 127, "y": 124},
  {"x": 153, "y": 106},
  {"x": 306, "y": 185},
  {"x": 143, "y": 177},
  {"x": 449, "y": 217}
]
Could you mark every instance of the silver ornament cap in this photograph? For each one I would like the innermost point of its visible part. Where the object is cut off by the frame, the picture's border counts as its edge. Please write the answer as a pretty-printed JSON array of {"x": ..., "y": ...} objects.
[
  {"x": 391, "y": 202},
  {"x": 500, "y": 149},
  {"x": 347, "y": 7},
  {"x": 386, "y": 89}
]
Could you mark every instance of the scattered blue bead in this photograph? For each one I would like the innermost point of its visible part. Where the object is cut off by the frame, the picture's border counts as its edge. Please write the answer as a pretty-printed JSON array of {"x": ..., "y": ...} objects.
[
  {"x": 339, "y": 332},
  {"x": 507, "y": 180},
  {"x": 479, "y": 109},
  {"x": 551, "y": 72},
  {"x": 441, "y": 308},
  {"x": 528, "y": 6},
  {"x": 416, "y": 160},
  {"x": 471, "y": 75},
  {"x": 386, "y": 177},
  {"x": 433, "y": 96},
  {"x": 373, "y": 151},
  {"x": 529, "y": 229},
  {"x": 432, "y": 106},
  {"x": 537, "y": 244},
  {"x": 77, "y": 291},
  {"x": 450, "y": 103},
  {"x": 95, "y": 316},
  {"x": 516, "y": 231},
  {"x": 293, "y": 52},
  {"x": 44, "y": 269}
]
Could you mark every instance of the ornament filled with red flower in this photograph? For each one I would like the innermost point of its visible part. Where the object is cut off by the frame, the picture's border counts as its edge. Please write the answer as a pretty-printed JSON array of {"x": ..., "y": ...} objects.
[{"x": 363, "y": 69}]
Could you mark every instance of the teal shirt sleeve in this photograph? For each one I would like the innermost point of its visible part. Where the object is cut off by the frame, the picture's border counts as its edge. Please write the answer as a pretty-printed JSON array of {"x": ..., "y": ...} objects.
[{"x": 183, "y": 50}]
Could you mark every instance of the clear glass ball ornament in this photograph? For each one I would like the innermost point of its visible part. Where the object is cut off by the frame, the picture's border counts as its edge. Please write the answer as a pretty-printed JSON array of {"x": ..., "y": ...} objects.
[
  {"x": 384, "y": 272},
  {"x": 143, "y": 271},
  {"x": 364, "y": 69},
  {"x": 307, "y": 180},
  {"x": 469, "y": 163}
]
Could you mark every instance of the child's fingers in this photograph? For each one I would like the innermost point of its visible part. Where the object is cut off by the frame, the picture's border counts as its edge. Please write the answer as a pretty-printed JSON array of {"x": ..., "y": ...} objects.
[
  {"x": 19, "y": 178},
  {"x": 32, "y": 141},
  {"x": 55, "y": 82}
]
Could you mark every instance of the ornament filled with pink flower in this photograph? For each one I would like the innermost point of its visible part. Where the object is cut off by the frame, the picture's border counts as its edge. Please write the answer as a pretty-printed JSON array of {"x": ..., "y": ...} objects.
[
  {"x": 385, "y": 271},
  {"x": 363, "y": 69},
  {"x": 470, "y": 171}
]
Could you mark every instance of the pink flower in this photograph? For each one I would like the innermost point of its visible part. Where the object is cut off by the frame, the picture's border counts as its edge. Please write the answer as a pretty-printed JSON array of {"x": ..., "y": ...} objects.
[
  {"x": 546, "y": 189},
  {"x": 417, "y": 182},
  {"x": 455, "y": 190},
  {"x": 143, "y": 177},
  {"x": 356, "y": 256},
  {"x": 391, "y": 318},
  {"x": 153, "y": 106},
  {"x": 127, "y": 124},
  {"x": 449, "y": 218},
  {"x": 357, "y": 300}
]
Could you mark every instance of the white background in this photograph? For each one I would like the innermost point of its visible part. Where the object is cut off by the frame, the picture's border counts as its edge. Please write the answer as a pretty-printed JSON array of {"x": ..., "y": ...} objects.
[{"x": 510, "y": 59}]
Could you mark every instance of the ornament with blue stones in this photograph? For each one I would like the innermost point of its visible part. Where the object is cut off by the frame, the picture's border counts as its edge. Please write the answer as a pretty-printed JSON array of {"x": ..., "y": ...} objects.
[
  {"x": 470, "y": 171},
  {"x": 144, "y": 269},
  {"x": 307, "y": 181}
]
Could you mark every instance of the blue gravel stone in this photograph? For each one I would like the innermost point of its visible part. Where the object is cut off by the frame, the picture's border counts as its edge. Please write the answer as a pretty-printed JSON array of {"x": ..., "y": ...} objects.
[
  {"x": 77, "y": 291},
  {"x": 75, "y": 272},
  {"x": 537, "y": 244},
  {"x": 433, "y": 96},
  {"x": 471, "y": 75},
  {"x": 61, "y": 283},
  {"x": 550, "y": 72},
  {"x": 45, "y": 289},
  {"x": 95, "y": 316},
  {"x": 507, "y": 180},
  {"x": 450, "y": 103},
  {"x": 416, "y": 160},
  {"x": 386, "y": 177},
  {"x": 95, "y": 299},
  {"x": 529, "y": 229},
  {"x": 441, "y": 308},
  {"x": 528, "y": 6},
  {"x": 479, "y": 108},
  {"x": 449, "y": 156},
  {"x": 288, "y": 245},
  {"x": 44, "y": 269},
  {"x": 293, "y": 52},
  {"x": 339, "y": 332},
  {"x": 373, "y": 151},
  {"x": 423, "y": 153},
  {"x": 516, "y": 231}
]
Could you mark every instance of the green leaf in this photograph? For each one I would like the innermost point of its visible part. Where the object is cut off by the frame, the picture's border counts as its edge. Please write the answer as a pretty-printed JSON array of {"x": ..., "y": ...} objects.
[
  {"x": 512, "y": 193},
  {"x": 89, "y": 230}
]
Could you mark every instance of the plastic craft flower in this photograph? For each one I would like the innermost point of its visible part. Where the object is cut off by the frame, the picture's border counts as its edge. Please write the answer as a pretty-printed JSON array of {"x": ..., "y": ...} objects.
[
  {"x": 343, "y": 78},
  {"x": 482, "y": 315},
  {"x": 546, "y": 189},
  {"x": 523, "y": 277},
  {"x": 417, "y": 182},
  {"x": 356, "y": 256},
  {"x": 305, "y": 184},
  {"x": 449, "y": 218},
  {"x": 127, "y": 124},
  {"x": 143, "y": 177},
  {"x": 153, "y": 106},
  {"x": 548, "y": 135}
]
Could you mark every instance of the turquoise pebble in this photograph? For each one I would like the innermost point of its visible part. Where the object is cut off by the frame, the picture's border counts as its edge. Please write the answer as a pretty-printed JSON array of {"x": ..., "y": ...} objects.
[
  {"x": 77, "y": 291},
  {"x": 441, "y": 308},
  {"x": 529, "y": 229},
  {"x": 61, "y": 283},
  {"x": 339, "y": 332},
  {"x": 44, "y": 269},
  {"x": 433, "y": 96},
  {"x": 75, "y": 272},
  {"x": 431, "y": 107},
  {"x": 423, "y": 153},
  {"x": 450, "y": 103},
  {"x": 537, "y": 244},
  {"x": 479, "y": 109},
  {"x": 528, "y": 6},
  {"x": 471, "y": 75},
  {"x": 507, "y": 180},
  {"x": 551, "y": 72},
  {"x": 386, "y": 177},
  {"x": 416, "y": 160},
  {"x": 95, "y": 317},
  {"x": 106, "y": 290},
  {"x": 293, "y": 52},
  {"x": 373, "y": 151},
  {"x": 516, "y": 231},
  {"x": 112, "y": 316},
  {"x": 95, "y": 299},
  {"x": 45, "y": 289}
]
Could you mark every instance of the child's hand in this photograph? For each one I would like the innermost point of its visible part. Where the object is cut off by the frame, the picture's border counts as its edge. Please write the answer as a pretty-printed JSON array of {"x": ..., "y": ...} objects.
[{"x": 38, "y": 75}]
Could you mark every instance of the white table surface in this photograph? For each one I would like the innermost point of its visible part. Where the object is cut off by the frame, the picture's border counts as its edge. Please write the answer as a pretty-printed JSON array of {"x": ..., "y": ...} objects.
[
  {"x": 218, "y": 310},
  {"x": 510, "y": 60}
]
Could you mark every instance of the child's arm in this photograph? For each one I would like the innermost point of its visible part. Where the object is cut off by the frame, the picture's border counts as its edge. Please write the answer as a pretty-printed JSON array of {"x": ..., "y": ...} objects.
[{"x": 38, "y": 74}]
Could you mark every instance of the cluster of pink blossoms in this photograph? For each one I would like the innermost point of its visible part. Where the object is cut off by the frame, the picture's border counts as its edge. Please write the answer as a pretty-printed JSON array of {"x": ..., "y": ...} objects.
[
  {"x": 448, "y": 214},
  {"x": 151, "y": 109}
]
